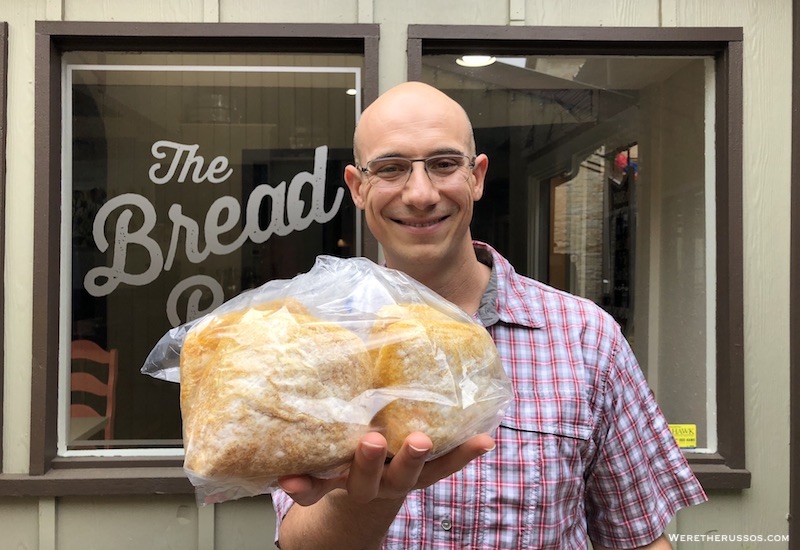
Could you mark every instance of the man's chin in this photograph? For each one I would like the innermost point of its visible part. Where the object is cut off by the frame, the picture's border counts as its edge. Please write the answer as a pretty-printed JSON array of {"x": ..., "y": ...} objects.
[{"x": 415, "y": 255}]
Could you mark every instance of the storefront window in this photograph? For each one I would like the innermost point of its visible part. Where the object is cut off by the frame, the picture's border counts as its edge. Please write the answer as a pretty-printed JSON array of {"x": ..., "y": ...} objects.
[
  {"x": 188, "y": 178},
  {"x": 601, "y": 183}
]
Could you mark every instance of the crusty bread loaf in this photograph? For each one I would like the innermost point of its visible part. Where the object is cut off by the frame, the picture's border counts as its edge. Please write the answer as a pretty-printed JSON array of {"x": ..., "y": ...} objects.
[
  {"x": 265, "y": 393},
  {"x": 450, "y": 366}
]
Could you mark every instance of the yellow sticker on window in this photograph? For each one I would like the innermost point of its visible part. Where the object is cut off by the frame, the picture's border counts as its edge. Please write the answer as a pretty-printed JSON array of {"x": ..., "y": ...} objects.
[{"x": 685, "y": 435}]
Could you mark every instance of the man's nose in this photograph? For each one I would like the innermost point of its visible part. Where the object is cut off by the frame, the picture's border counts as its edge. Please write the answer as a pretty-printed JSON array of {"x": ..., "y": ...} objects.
[{"x": 419, "y": 190}]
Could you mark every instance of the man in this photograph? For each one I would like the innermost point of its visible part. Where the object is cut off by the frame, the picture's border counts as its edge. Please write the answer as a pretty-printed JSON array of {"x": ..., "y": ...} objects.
[{"x": 583, "y": 453}]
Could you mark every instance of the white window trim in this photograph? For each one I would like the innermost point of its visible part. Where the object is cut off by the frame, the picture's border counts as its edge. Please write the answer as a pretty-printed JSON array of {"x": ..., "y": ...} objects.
[{"x": 65, "y": 299}]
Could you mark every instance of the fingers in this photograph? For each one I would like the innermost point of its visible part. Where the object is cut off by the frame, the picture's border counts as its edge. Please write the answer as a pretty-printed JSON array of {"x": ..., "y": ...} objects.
[
  {"x": 402, "y": 474},
  {"x": 456, "y": 459},
  {"x": 370, "y": 477},
  {"x": 364, "y": 479},
  {"x": 307, "y": 490}
]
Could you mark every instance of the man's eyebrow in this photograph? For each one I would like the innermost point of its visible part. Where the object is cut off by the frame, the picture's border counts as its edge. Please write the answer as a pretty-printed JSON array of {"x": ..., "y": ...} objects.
[
  {"x": 443, "y": 151},
  {"x": 448, "y": 151},
  {"x": 390, "y": 154}
]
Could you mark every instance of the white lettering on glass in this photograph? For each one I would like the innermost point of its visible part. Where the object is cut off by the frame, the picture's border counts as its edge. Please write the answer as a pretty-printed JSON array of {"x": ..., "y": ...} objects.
[
  {"x": 217, "y": 171},
  {"x": 193, "y": 310},
  {"x": 294, "y": 206},
  {"x": 101, "y": 281},
  {"x": 286, "y": 207}
]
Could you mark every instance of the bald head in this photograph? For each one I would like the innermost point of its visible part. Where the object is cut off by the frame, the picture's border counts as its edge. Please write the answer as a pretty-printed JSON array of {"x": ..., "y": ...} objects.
[{"x": 411, "y": 103}]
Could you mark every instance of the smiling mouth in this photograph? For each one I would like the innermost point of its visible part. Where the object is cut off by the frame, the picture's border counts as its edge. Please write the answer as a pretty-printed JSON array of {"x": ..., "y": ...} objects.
[{"x": 421, "y": 224}]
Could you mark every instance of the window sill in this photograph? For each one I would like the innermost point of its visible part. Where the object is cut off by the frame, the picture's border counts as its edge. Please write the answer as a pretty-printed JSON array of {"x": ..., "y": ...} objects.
[
  {"x": 78, "y": 477},
  {"x": 719, "y": 476},
  {"x": 97, "y": 481},
  {"x": 713, "y": 473}
]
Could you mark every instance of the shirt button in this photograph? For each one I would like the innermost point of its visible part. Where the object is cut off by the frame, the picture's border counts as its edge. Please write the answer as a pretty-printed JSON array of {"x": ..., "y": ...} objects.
[{"x": 447, "y": 524}]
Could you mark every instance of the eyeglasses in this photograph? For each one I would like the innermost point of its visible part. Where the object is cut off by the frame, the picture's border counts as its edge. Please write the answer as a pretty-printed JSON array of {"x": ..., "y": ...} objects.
[{"x": 396, "y": 171}]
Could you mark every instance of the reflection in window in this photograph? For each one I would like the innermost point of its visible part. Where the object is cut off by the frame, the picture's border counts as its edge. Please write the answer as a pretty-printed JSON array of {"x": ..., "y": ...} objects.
[
  {"x": 592, "y": 234},
  {"x": 191, "y": 178},
  {"x": 599, "y": 177}
]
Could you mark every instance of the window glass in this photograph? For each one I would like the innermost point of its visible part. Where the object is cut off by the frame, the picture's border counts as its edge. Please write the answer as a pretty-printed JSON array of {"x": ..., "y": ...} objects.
[
  {"x": 188, "y": 178},
  {"x": 600, "y": 182}
]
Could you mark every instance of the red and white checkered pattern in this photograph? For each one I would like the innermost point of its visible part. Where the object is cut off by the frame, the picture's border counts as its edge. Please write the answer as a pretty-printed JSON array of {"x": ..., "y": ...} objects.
[{"x": 583, "y": 451}]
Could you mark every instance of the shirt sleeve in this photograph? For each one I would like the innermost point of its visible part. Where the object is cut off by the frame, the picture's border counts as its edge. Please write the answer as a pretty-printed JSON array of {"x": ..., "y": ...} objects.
[
  {"x": 639, "y": 478},
  {"x": 281, "y": 502}
]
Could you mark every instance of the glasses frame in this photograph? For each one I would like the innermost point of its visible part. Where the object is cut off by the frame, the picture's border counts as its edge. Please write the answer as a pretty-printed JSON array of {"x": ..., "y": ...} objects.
[{"x": 399, "y": 182}]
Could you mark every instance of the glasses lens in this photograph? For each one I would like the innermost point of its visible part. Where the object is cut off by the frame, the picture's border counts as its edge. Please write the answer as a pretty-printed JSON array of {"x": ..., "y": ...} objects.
[
  {"x": 389, "y": 170},
  {"x": 442, "y": 167}
]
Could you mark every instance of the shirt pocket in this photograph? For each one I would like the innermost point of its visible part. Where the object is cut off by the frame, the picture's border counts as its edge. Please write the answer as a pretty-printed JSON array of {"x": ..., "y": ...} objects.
[{"x": 536, "y": 472}]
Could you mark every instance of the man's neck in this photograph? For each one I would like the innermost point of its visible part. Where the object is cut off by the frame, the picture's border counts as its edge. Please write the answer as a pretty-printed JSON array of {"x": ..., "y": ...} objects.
[{"x": 462, "y": 283}]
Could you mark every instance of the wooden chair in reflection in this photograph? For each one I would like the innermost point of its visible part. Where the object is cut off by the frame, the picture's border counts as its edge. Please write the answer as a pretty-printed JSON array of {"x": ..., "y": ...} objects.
[{"x": 86, "y": 421}]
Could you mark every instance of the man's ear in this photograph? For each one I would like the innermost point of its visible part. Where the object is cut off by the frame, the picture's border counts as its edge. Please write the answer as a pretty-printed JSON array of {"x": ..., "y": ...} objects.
[
  {"x": 354, "y": 181},
  {"x": 479, "y": 173}
]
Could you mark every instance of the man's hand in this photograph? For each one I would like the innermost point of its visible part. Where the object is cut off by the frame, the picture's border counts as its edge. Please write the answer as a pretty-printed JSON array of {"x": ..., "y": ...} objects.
[
  {"x": 370, "y": 477},
  {"x": 355, "y": 509}
]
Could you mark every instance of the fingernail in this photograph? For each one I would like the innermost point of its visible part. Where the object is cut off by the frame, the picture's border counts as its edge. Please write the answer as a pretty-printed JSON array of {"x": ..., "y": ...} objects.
[
  {"x": 416, "y": 452},
  {"x": 489, "y": 449},
  {"x": 371, "y": 450}
]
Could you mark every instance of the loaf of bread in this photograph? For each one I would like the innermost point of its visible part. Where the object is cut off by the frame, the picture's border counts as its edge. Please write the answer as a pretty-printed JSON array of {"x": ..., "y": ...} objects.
[
  {"x": 266, "y": 392},
  {"x": 446, "y": 372}
]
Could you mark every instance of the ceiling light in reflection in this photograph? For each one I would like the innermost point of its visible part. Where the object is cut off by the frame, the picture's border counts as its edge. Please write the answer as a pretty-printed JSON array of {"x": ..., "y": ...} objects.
[
  {"x": 351, "y": 91},
  {"x": 520, "y": 62},
  {"x": 475, "y": 60}
]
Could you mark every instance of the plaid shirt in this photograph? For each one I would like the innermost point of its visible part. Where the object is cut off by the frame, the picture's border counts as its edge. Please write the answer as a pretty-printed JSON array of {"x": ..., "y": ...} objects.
[{"x": 583, "y": 451}]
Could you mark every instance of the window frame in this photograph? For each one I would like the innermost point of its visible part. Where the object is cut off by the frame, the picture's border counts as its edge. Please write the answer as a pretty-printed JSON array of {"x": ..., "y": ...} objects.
[
  {"x": 3, "y": 130},
  {"x": 724, "y": 469},
  {"x": 50, "y": 475},
  {"x": 794, "y": 291}
]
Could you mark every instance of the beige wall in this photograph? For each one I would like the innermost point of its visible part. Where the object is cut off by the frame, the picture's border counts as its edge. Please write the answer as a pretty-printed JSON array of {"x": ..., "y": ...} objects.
[
  {"x": 135, "y": 523},
  {"x": 175, "y": 522}
]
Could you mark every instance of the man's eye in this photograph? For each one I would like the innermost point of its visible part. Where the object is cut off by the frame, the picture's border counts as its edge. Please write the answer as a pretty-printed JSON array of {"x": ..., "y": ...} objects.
[
  {"x": 444, "y": 165},
  {"x": 390, "y": 170}
]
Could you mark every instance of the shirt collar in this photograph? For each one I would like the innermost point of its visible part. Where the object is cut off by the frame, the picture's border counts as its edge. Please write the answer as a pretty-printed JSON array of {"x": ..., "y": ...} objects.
[
  {"x": 506, "y": 298},
  {"x": 487, "y": 311}
]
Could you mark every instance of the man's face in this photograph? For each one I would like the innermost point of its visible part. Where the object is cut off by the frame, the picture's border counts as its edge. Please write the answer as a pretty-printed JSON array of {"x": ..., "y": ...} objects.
[{"x": 419, "y": 222}]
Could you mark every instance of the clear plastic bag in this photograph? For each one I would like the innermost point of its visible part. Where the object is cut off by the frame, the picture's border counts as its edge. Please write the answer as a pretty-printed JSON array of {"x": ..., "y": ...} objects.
[{"x": 285, "y": 378}]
